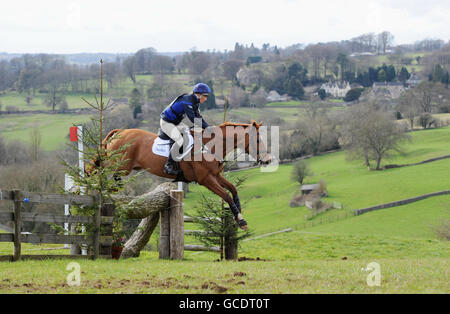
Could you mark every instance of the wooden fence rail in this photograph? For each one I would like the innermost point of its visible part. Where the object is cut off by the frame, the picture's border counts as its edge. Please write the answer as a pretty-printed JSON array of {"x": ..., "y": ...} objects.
[{"x": 103, "y": 220}]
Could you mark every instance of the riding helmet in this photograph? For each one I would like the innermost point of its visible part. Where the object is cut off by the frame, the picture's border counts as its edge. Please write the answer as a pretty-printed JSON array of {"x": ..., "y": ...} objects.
[{"x": 201, "y": 88}]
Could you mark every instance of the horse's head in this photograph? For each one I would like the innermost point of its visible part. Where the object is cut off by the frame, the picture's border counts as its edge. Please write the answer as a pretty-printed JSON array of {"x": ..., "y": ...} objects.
[{"x": 256, "y": 146}]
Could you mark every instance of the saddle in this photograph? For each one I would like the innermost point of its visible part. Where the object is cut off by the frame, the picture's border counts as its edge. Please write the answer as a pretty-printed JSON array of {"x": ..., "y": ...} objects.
[{"x": 162, "y": 146}]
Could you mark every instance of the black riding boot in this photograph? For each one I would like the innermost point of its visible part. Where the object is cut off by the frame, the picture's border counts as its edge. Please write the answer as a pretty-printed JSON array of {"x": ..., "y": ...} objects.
[{"x": 170, "y": 166}]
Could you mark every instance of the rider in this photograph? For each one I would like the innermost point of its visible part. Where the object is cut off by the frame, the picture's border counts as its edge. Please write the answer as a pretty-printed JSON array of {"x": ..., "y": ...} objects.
[{"x": 171, "y": 117}]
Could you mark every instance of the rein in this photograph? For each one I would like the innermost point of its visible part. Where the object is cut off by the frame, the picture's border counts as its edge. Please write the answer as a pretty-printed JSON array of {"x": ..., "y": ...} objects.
[{"x": 223, "y": 139}]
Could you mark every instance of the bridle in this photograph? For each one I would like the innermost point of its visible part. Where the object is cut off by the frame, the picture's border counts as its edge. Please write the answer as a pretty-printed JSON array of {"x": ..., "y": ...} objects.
[{"x": 246, "y": 149}]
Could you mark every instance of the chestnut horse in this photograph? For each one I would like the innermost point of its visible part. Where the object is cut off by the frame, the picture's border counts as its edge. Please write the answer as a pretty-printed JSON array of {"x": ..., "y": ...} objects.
[{"x": 206, "y": 171}]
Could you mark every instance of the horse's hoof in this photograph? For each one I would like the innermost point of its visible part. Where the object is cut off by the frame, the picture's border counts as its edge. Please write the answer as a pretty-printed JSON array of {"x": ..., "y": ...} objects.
[{"x": 242, "y": 224}]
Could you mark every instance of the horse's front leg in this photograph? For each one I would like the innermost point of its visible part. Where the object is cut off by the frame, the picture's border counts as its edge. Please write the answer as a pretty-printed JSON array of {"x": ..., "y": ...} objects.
[
  {"x": 214, "y": 186},
  {"x": 230, "y": 187}
]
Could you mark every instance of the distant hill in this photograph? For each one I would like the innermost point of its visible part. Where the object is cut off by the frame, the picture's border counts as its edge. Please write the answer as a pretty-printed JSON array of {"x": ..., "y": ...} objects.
[
  {"x": 88, "y": 57},
  {"x": 8, "y": 56}
]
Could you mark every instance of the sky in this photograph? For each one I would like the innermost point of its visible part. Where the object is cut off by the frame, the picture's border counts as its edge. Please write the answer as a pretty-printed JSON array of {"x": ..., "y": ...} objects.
[{"x": 73, "y": 26}]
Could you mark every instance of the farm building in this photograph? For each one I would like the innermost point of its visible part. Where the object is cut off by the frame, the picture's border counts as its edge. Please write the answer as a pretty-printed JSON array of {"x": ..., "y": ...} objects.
[
  {"x": 308, "y": 188},
  {"x": 275, "y": 97}
]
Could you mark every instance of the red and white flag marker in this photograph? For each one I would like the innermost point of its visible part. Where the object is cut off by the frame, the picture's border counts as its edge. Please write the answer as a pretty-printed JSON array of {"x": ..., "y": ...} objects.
[{"x": 76, "y": 135}]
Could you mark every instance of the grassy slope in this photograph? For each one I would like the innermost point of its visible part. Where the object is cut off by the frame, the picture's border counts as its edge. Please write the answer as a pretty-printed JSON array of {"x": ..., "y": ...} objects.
[
  {"x": 326, "y": 258},
  {"x": 349, "y": 183},
  {"x": 121, "y": 88},
  {"x": 54, "y": 128},
  {"x": 15, "y": 99}
]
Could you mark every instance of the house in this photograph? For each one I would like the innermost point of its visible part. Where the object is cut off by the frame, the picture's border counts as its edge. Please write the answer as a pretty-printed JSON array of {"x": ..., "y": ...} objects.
[
  {"x": 413, "y": 81},
  {"x": 275, "y": 97},
  {"x": 391, "y": 90},
  {"x": 335, "y": 89}
]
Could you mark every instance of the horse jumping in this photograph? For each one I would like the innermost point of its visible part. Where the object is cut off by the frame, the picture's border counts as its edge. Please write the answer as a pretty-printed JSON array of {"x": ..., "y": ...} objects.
[{"x": 205, "y": 170}]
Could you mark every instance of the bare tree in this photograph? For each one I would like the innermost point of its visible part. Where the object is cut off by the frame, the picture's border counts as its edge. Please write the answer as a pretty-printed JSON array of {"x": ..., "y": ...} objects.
[
  {"x": 317, "y": 129},
  {"x": 3, "y": 151},
  {"x": 408, "y": 107},
  {"x": 238, "y": 97},
  {"x": 231, "y": 67},
  {"x": 129, "y": 65},
  {"x": 428, "y": 96},
  {"x": 259, "y": 98},
  {"x": 371, "y": 134},
  {"x": 385, "y": 39}
]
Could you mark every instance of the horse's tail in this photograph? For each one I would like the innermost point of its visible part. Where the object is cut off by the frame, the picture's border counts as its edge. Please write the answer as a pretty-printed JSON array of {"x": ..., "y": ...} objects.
[
  {"x": 95, "y": 162},
  {"x": 110, "y": 134}
]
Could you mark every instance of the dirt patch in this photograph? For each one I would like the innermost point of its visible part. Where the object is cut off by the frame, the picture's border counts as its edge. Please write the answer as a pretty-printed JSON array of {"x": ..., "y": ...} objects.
[
  {"x": 214, "y": 286},
  {"x": 245, "y": 259}
]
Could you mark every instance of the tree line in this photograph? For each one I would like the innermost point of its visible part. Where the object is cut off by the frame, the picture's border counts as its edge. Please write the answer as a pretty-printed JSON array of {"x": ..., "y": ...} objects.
[{"x": 254, "y": 70}]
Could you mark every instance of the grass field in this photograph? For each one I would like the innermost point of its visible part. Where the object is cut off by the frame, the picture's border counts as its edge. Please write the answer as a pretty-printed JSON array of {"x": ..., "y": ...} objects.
[
  {"x": 54, "y": 128},
  {"x": 329, "y": 257},
  {"x": 74, "y": 101},
  {"x": 121, "y": 88}
]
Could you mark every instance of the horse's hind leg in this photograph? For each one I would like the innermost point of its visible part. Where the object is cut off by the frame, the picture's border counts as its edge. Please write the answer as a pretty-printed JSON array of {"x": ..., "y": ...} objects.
[
  {"x": 214, "y": 186},
  {"x": 230, "y": 187}
]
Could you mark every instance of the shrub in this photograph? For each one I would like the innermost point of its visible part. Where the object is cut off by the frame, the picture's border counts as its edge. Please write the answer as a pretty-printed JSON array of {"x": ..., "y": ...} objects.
[
  {"x": 426, "y": 120},
  {"x": 301, "y": 171},
  {"x": 353, "y": 94},
  {"x": 322, "y": 94}
]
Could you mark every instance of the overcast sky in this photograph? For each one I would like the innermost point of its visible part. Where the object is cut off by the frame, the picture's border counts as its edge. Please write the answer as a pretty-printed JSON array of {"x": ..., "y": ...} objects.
[{"x": 56, "y": 26}]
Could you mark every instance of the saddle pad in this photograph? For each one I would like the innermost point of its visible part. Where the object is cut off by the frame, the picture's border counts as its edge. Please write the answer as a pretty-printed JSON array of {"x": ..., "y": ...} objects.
[{"x": 162, "y": 147}]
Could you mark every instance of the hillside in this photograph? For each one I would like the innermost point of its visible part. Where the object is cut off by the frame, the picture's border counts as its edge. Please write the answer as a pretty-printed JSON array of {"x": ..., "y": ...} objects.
[
  {"x": 352, "y": 185},
  {"x": 330, "y": 257}
]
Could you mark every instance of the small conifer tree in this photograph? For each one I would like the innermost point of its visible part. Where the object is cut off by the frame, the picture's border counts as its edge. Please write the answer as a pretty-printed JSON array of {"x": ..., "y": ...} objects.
[
  {"x": 101, "y": 176},
  {"x": 217, "y": 222}
]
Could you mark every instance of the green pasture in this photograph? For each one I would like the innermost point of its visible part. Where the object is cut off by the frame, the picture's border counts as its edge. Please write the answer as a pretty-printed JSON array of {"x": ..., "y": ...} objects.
[
  {"x": 245, "y": 114},
  {"x": 147, "y": 274},
  {"x": 413, "y": 67},
  {"x": 443, "y": 118},
  {"x": 120, "y": 88},
  {"x": 292, "y": 103},
  {"x": 74, "y": 101},
  {"x": 329, "y": 256},
  {"x": 348, "y": 182},
  {"x": 54, "y": 128}
]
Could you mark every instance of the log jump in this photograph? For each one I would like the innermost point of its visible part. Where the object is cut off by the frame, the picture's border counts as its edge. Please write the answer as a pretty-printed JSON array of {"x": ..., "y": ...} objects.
[{"x": 164, "y": 205}]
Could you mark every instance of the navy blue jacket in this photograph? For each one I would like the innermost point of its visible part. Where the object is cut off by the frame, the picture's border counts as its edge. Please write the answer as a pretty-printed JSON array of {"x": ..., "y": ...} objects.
[{"x": 183, "y": 105}]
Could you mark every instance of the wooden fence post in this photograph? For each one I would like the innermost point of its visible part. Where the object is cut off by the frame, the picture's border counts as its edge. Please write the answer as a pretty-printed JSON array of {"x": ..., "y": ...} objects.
[
  {"x": 164, "y": 234},
  {"x": 107, "y": 228},
  {"x": 17, "y": 224},
  {"x": 97, "y": 223},
  {"x": 176, "y": 225},
  {"x": 231, "y": 245}
]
